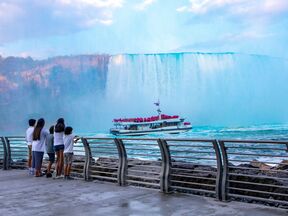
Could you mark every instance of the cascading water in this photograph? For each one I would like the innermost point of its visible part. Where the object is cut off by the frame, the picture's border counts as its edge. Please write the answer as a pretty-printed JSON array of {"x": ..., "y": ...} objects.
[
  {"x": 223, "y": 89},
  {"x": 210, "y": 90}
]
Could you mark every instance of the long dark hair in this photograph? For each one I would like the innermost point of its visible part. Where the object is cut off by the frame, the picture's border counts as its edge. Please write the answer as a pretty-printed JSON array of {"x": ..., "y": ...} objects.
[
  {"x": 60, "y": 126},
  {"x": 37, "y": 131}
]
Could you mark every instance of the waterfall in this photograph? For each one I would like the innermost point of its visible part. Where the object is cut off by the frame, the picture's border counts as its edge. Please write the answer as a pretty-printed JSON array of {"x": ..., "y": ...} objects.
[{"x": 209, "y": 89}]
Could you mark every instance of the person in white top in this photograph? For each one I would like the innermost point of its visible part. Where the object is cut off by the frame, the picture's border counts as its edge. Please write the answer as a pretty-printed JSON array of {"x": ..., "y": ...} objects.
[
  {"x": 29, "y": 139},
  {"x": 38, "y": 145},
  {"x": 69, "y": 140},
  {"x": 59, "y": 145}
]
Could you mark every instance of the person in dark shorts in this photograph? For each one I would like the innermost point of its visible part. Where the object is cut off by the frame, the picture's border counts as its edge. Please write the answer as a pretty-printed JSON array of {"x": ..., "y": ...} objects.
[
  {"x": 50, "y": 150},
  {"x": 69, "y": 140},
  {"x": 59, "y": 146}
]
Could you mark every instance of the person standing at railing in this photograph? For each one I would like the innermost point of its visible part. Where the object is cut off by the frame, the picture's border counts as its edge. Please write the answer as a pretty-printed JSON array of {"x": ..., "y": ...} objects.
[
  {"x": 59, "y": 145},
  {"x": 38, "y": 146},
  {"x": 69, "y": 140},
  {"x": 29, "y": 139},
  {"x": 50, "y": 150}
]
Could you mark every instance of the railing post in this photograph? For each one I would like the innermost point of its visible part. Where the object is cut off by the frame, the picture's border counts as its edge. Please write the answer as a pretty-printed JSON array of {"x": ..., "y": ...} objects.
[
  {"x": 4, "y": 153},
  {"x": 225, "y": 173},
  {"x": 123, "y": 162},
  {"x": 165, "y": 167},
  {"x": 88, "y": 159},
  {"x": 8, "y": 155},
  {"x": 219, "y": 170}
]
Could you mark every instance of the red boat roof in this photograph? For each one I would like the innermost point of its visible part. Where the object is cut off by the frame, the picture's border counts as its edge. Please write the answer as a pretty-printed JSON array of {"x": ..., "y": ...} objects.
[{"x": 149, "y": 119}]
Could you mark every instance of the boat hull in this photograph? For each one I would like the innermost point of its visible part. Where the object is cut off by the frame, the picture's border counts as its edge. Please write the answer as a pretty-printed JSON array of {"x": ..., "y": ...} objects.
[{"x": 146, "y": 132}]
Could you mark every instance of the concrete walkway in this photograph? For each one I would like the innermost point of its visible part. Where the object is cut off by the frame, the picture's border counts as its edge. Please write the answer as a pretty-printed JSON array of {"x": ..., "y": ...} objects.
[{"x": 21, "y": 194}]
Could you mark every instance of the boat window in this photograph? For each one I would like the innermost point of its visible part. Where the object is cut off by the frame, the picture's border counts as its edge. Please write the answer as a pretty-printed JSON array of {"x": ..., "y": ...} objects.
[{"x": 133, "y": 127}]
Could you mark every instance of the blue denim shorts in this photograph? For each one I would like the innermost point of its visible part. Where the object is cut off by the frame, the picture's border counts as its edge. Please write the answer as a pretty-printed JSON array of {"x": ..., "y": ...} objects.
[
  {"x": 58, "y": 148},
  {"x": 37, "y": 158}
]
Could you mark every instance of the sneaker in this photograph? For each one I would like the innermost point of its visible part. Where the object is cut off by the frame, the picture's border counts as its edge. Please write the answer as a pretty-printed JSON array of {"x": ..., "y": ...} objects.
[
  {"x": 59, "y": 177},
  {"x": 31, "y": 171},
  {"x": 54, "y": 175}
]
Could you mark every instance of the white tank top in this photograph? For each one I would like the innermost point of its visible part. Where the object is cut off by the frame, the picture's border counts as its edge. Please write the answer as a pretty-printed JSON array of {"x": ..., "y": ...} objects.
[{"x": 58, "y": 138}]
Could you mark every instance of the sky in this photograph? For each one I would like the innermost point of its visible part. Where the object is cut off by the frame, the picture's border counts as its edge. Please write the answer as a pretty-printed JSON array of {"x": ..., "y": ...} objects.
[{"x": 43, "y": 29}]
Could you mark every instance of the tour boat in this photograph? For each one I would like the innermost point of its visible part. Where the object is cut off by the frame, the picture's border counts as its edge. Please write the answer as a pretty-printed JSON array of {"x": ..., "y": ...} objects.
[{"x": 155, "y": 124}]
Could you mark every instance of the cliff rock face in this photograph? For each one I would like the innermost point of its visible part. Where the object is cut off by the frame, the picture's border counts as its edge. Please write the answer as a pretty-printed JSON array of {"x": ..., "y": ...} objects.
[{"x": 32, "y": 88}]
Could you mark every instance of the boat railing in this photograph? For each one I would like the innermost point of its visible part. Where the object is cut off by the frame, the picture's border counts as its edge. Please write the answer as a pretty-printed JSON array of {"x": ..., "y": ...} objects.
[{"x": 241, "y": 170}]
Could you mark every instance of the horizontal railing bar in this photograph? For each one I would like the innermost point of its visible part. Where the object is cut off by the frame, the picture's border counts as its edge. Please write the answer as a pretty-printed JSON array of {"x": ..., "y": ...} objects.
[
  {"x": 258, "y": 169},
  {"x": 257, "y": 198},
  {"x": 20, "y": 144},
  {"x": 197, "y": 152},
  {"x": 193, "y": 189},
  {"x": 136, "y": 165},
  {"x": 105, "y": 147},
  {"x": 103, "y": 177},
  {"x": 143, "y": 177},
  {"x": 192, "y": 183},
  {"x": 194, "y": 170},
  {"x": 143, "y": 171},
  {"x": 15, "y": 137},
  {"x": 105, "y": 152},
  {"x": 78, "y": 163},
  {"x": 144, "y": 149},
  {"x": 193, "y": 146},
  {"x": 254, "y": 141},
  {"x": 110, "y": 163},
  {"x": 97, "y": 138},
  {"x": 150, "y": 139},
  {"x": 104, "y": 167},
  {"x": 142, "y": 144},
  {"x": 258, "y": 184},
  {"x": 204, "y": 158},
  {"x": 248, "y": 154},
  {"x": 256, "y": 148},
  {"x": 196, "y": 177},
  {"x": 190, "y": 140},
  {"x": 257, "y": 176},
  {"x": 108, "y": 173},
  {"x": 147, "y": 155},
  {"x": 19, "y": 151},
  {"x": 257, "y": 191},
  {"x": 267, "y": 162},
  {"x": 74, "y": 168},
  {"x": 101, "y": 143},
  {"x": 145, "y": 183}
]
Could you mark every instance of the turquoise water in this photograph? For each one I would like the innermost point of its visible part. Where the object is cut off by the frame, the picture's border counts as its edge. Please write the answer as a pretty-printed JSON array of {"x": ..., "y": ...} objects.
[{"x": 258, "y": 132}]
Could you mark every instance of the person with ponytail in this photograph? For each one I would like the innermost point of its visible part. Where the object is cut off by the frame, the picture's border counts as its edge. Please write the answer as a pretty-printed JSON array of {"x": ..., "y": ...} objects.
[
  {"x": 59, "y": 145},
  {"x": 38, "y": 146}
]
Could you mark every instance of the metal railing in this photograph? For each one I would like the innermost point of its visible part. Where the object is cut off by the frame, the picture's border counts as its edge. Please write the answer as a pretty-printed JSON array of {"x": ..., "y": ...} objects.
[
  {"x": 255, "y": 171},
  {"x": 243, "y": 170},
  {"x": 196, "y": 166},
  {"x": 3, "y": 153}
]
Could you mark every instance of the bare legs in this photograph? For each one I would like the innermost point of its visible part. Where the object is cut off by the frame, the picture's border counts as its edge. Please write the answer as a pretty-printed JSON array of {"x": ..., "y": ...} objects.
[
  {"x": 67, "y": 169},
  {"x": 49, "y": 167},
  {"x": 60, "y": 161},
  {"x": 29, "y": 157}
]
